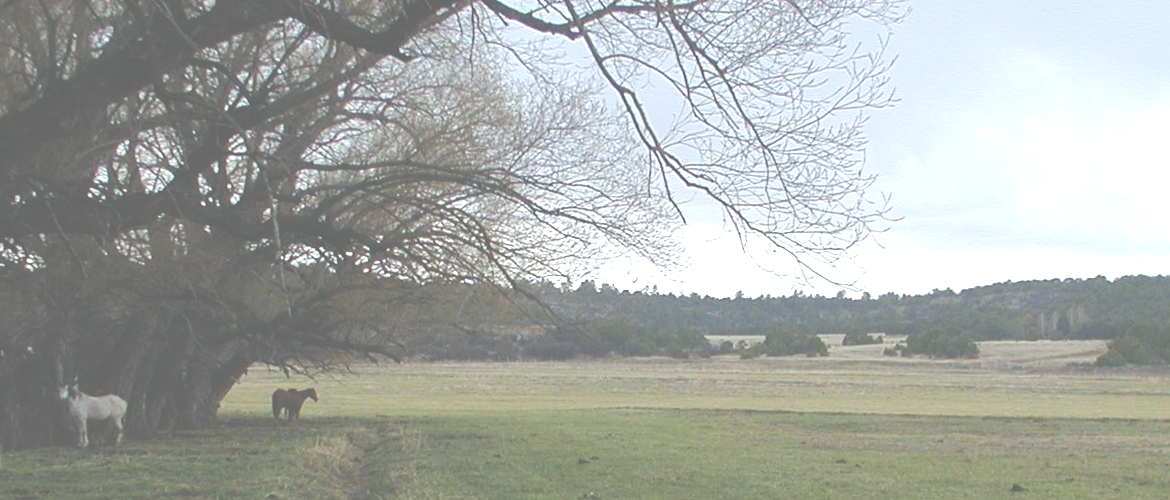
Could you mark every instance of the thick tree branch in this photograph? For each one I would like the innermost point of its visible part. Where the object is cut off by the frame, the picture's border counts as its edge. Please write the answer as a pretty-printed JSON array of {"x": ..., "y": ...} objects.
[
  {"x": 415, "y": 15},
  {"x": 120, "y": 72}
]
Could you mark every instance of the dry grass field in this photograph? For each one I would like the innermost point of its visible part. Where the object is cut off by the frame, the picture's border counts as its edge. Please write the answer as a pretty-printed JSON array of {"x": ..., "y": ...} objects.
[
  {"x": 1011, "y": 379},
  {"x": 1007, "y": 354}
]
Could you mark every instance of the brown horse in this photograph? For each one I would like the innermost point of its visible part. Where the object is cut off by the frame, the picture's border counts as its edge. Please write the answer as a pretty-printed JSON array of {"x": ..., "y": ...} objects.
[{"x": 291, "y": 401}]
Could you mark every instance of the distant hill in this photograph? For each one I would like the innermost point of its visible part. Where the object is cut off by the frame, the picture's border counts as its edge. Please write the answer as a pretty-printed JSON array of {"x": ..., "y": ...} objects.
[
  {"x": 549, "y": 321},
  {"x": 1095, "y": 308}
]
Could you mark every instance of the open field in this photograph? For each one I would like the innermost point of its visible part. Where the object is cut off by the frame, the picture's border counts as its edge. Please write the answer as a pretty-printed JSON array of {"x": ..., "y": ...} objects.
[
  {"x": 994, "y": 354},
  {"x": 848, "y": 426}
]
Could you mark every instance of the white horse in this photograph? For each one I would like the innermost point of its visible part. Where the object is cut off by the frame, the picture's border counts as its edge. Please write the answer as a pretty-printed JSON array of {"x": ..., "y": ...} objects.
[{"x": 83, "y": 408}]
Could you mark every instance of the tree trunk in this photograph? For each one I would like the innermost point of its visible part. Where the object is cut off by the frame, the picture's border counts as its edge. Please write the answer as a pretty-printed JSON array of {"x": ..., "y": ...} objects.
[
  {"x": 170, "y": 380},
  {"x": 30, "y": 415}
]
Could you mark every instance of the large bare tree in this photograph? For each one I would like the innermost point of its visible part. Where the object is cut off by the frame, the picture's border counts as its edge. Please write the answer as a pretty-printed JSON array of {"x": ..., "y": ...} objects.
[{"x": 189, "y": 187}]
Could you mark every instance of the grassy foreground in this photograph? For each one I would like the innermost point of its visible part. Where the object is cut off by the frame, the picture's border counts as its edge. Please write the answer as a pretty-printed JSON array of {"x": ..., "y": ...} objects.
[{"x": 649, "y": 429}]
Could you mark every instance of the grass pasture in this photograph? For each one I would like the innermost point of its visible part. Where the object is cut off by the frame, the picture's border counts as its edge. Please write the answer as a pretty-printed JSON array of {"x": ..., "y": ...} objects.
[{"x": 849, "y": 426}]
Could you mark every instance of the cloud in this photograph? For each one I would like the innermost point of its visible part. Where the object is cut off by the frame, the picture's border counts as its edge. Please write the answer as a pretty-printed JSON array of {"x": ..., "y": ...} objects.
[
  {"x": 1092, "y": 181},
  {"x": 1028, "y": 148}
]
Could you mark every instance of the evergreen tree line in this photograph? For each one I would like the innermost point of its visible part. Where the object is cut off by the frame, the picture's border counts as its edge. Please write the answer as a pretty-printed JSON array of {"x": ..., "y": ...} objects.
[{"x": 598, "y": 320}]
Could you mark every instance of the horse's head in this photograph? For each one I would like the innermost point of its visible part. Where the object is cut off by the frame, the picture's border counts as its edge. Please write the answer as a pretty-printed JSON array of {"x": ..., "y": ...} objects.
[
  {"x": 310, "y": 393},
  {"x": 70, "y": 391}
]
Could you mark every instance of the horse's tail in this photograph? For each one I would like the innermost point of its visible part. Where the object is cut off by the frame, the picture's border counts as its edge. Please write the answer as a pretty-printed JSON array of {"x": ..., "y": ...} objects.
[{"x": 278, "y": 397}]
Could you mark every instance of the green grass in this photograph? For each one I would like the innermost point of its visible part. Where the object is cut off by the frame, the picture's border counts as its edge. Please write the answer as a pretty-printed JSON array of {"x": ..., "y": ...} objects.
[
  {"x": 671, "y": 454},
  {"x": 648, "y": 429},
  {"x": 796, "y": 385},
  {"x": 251, "y": 459}
]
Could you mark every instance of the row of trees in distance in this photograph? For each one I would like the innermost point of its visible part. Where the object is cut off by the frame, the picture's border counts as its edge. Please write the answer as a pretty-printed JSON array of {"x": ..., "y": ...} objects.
[{"x": 940, "y": 324}]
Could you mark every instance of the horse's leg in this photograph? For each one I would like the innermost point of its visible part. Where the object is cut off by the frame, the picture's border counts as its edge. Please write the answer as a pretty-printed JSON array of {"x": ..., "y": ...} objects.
[
  {"x": 82, "y": 433},
  {"x": 117, "y": 420}
]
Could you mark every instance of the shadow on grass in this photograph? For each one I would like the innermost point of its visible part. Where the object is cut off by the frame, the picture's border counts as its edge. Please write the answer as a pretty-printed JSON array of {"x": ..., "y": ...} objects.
[{"x": 236, "y": 458}]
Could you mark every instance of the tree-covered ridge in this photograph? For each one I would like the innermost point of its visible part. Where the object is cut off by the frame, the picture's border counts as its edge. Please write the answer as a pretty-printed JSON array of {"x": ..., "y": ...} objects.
[
  {"x": 1052, "y": 309},
  {"x": 608, "y": 320}
]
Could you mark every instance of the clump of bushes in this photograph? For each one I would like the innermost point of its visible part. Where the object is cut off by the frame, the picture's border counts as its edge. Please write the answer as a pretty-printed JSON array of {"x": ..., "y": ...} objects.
[
  {"x": 858, "y": 338},
  {"x": 638, "y": 347},
  {"x": 790, "y": 343},
  {"x": 1110, "y": 359},
  {"x": 552, "y": 350},
  {"x": 940, "y": 344},
  {"x": 897, "y": 350},
  {"x": 1133, "y": 350}
]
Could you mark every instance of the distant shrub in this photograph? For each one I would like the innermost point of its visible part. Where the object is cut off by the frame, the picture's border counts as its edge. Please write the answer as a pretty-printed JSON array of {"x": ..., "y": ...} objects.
[
  {"x": 750, "y": 353},
  {"x": 677, "y": 352},
  {"x": 858, "y": 338},
  {"x": 552, "y": 350},
  {"x": 787, "y": 343},
  {"x": 815, "y": 347},
  {"x": 1110, "y": 359},
  {"x": 1131, "y": 350},
  {"x": 937, "y": 344},
  {"x": 637, "y": 348}
]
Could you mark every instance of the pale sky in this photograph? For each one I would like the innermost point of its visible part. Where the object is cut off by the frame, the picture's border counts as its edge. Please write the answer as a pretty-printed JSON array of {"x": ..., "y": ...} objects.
[{"x": 1028, "y": 144}]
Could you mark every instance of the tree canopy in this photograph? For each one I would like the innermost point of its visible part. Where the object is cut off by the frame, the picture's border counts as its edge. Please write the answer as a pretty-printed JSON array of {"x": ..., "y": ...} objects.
[{"x": 193, "y": 186}]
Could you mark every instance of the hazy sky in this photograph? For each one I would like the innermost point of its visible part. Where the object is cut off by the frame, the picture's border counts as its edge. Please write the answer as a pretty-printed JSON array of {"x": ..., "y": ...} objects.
[{"x": 1029, "y": 143}]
